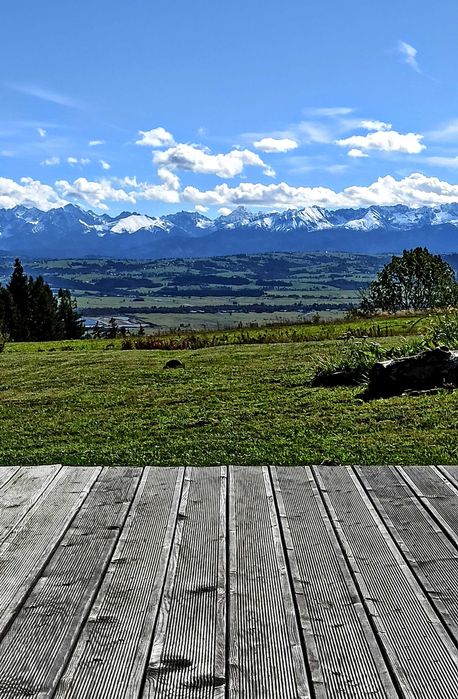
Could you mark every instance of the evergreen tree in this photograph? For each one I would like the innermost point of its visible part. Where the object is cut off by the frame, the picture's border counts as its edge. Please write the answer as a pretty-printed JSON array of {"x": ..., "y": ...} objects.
[
  {"x": 44, "y": 321},
  {"x": 113, "y": 328},
  {"x": 97, "y": 331},
  {"x": 71, "y": 324},
  {"x": 6, "y": 312},
  {"x": 19, "y": 290},
  {"x": 30, "y": 311}
]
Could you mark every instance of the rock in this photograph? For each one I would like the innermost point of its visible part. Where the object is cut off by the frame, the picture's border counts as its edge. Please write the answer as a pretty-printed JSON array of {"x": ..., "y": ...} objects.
[
  {"x": 174, "y": 364},
  {"x": 432, "y": 369}
]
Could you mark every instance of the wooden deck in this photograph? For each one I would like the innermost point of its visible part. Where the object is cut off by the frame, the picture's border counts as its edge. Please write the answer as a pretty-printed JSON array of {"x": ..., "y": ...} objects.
[{"x": 288, "y": 583}]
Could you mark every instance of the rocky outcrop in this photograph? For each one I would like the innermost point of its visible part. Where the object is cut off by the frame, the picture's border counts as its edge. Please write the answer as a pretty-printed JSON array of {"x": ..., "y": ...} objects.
[{"x": 432, "y": 369}]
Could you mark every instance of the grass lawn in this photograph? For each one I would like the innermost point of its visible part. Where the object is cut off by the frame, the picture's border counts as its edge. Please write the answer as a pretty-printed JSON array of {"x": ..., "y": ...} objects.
[{"x": 249, "y": 404}]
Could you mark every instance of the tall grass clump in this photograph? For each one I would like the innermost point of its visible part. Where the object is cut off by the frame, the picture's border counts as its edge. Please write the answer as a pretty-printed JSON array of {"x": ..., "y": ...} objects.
[
  {"x": 352, "y": 363},
  {"x": 443, "y": 330},
  {"x": 350, "y": 366}
]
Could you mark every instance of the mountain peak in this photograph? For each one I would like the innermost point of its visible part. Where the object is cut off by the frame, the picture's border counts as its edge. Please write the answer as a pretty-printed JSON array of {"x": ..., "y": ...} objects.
[{"x": 72, "y": 231}]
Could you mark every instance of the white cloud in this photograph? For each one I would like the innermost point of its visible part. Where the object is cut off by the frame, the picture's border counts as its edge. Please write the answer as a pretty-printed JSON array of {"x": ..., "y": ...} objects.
[
  {"x": 356, "y": 153},
  {"x": 443, "y": 161},
  {"x": 93, "y": 193},
  {"x": 193, "y": 159},
  {"x": 96, "y": 143},
  {"x": 54, "y": 160},
  {"x": 447, "y": 132},
  {"x": 77, "y": 161},
  {"x": 329, "y": 111},
  {"x": 313, "y": 132},
  {"x": 275, "y": 145},
  {"x": 41, "y": 132},
  {"x": 167, "y": 192},
  {"x": 169, "y": 178},
  {"x": 156, "y": 138},
  {"x": 374, "y": 125},
  {"x": 387, "y": 141},
  {"x": 28, "y": 192},
  {"x": 201, "y": 209},
  {"x": 104, "y": 164},
  {"x": 409, "y": 55},
  {"x": 414, "y": 190}
]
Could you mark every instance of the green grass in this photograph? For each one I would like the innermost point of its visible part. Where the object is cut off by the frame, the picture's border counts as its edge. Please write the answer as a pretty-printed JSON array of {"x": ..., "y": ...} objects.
[{"x": 249, "y": 404}]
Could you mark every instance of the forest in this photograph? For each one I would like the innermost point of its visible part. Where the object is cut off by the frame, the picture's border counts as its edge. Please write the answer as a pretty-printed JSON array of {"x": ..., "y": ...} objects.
[{"x": 30, "y": 311}]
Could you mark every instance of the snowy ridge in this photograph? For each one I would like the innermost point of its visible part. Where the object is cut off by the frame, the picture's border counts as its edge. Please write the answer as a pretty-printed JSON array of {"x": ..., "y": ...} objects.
[{"x": 73, "y": 231}]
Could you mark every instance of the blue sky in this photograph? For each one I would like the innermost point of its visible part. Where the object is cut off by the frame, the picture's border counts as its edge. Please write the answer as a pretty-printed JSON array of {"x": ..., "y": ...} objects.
[{"x": 158, "y": 107}]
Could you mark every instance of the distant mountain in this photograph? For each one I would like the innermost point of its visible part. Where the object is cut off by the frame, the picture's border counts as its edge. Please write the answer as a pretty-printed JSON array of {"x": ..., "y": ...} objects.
[{"x": 71, "y": 231}]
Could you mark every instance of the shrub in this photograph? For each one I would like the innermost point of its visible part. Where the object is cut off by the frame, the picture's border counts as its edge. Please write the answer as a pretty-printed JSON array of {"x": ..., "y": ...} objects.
[{"x": 443, "y": 330}]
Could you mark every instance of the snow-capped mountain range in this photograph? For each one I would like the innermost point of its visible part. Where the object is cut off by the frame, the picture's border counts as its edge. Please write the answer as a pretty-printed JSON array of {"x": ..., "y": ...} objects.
[{"x": 71, "y": 231}]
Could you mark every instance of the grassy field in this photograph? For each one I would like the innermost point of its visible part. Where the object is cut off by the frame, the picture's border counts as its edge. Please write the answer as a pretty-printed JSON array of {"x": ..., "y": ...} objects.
[
  {"x": 235, "y": 404},
  {"x": 213, "y": 292}
]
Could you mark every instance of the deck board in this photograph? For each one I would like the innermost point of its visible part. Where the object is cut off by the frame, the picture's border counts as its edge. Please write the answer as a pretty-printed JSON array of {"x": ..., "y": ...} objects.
[
  {"x": 437, "y": 493},
  {"x": 189, "y": 649},
  {"x": 23, "y": 488},
  {"x": 339, "y": 636},
  {"x": 229, "y": 582},
  {"x": 430, "y": 554},
  {"x": 429, "y": 668},
  {"x": 264, "y": 637},
  {"x": 112, "y": 652},
  {"x": 24, "y": 553},
  {"x": 66, "y": 590}
]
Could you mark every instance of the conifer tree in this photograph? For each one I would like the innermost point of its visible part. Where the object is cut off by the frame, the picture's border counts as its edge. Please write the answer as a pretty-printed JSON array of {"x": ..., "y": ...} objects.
[
  {"x": 6, "y": 312},
  {"x": 71, "y": 324},
  {"x": 113, "y": 329},
  {"x": 19, "y": 290},
  {"x": 44, "y": 321}
]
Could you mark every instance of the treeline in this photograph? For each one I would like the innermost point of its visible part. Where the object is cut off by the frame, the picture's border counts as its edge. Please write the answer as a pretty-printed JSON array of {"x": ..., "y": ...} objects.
[
  {"x": 226, "y": 308},
  {"x": 29, "y": 311}
]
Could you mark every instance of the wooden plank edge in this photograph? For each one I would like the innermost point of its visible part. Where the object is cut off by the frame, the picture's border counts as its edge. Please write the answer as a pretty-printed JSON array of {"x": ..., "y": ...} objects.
[
  {"x": 61, "y": 659},
  {"x": 426, "y": 501},
  {"x": 292, "y": 622},
  {"x": 233, "y": 662},
  {"x": 405, "y": 552},
  {"x": 149, "y": 683},
  {"x": 10, "y": 612},
  {"x": 34, "y": 498},
  {"x": 309, "y": 644},
  {"x": 219, "y": 691},
  {"x": 389, "y": 654}
]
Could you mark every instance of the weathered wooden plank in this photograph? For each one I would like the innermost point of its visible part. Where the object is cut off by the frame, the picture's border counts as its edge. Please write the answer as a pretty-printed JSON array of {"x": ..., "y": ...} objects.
[
  {"x": 24, "y": 554},
  {"x": 188, "y": 654},
  {"x": 113, "y": 649},
  {"x": 342, "y": 650},
  {"x": 34, "y": 651},
  {"x": 265, "y": 653},
  {"x": 437, "y": 493},
  {"x": 451, "y": 473},
  {"x": 20, "y": 492},
  {"x": 430, "y": 554},
  {"x": 396, "y": 603},
  {"x": 6, "y": 473}
]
